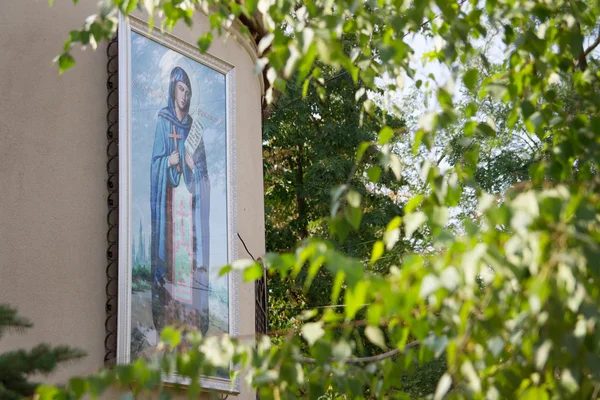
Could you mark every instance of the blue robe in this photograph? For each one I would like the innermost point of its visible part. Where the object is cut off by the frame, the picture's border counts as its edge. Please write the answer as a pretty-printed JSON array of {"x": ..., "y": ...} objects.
[{"x": 163, "y": 178}]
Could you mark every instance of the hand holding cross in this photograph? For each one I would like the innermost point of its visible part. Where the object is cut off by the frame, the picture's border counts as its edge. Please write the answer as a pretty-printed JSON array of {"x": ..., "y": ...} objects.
[{"x": 174, "y": 157}]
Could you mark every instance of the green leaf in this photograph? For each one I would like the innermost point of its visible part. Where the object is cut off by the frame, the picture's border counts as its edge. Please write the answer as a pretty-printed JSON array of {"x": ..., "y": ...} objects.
[
  {"x": 375, "y": 336},
  {"x": 340, "y": 276},
  {"x": 263, "y": 6},
  {"x": 486, "y": 130},
  {"x": 438, "y": 215},
  {"x": 442, "y": 387},
  {"x": 394, "y": 223},
  {"x": 225, "y": 270},
  {"x": 78, "y": 386},
  {"x": 46, "y": 392},
  {"x": 74, "y": 36},
  {"x": 568, "y": 381},
  {"x": 251, "y": 5},
  {"x": 125, "y": 374},
  {"x": 215, "y": 20},
  {"x": 339, "y": 227},
  {"x": 541, "y": 354},
  {"x": 369, "y": 106},
  {"x": 413, "y": 203},
  {"x": 337, "y": 192},
  {"x": 470, "y": 79},
  {"x": 353, "y": 198},
  {"x": 321, "y": 352},
  {"x": 534, "y": 393},
  {"x": 171, "y": 336},
  {"x": 429, "y": 285},
  {"x": 254, "y": 272},
  {"x": 130, "y": 6},
  {"x": 391, "y": 237},
  {"x": 205, "y": 41},
  {"x": 313, "y": 269},
  {"x": 527, "y": 108},
  {"x": 495, "y": 345},
  {"x": 354, "y": 217},
  {"x": 496, "y": 90},
  {"x": 65, "y": 61},
  {"x": 362, "y": 148},
  {"x": 450, "y": 278},
  {"x": 305, "y": 87},
  {"x": 242, "y": 264},
  {"x": 355, "y": 299},
  {"x": 377, "y": 251},
  {"x": 412, "y": 222},
  {"x": 473, "y": 381},
  {"x": 374, "y": 173},
  {"x": 374, "y": 314},
  {"x": 359, "y": 93},
  {"x": 341, "y": 350},
  {"x": 312, "y": 332},
  {"x": 395, "y": 166},
  {"x": 385, "y": 135},
  {"x": 307, "y": 314}
]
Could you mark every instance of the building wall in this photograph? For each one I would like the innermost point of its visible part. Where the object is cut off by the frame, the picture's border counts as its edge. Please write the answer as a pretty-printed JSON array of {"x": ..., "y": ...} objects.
[{"x": 53, "y": 173}]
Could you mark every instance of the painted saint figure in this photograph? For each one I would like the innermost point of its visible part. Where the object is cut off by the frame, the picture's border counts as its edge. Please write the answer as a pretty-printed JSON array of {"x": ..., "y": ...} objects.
[{"x": 180, "y": 206}]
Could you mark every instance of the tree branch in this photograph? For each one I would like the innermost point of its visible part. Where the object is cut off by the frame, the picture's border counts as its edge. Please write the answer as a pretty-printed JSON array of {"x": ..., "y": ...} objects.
[
  {"x": 359, "y": 360},
  {"x": 581, "y": 59},
  {"x": 592, "y": 46},
  {"x": 526, "y": 142}
]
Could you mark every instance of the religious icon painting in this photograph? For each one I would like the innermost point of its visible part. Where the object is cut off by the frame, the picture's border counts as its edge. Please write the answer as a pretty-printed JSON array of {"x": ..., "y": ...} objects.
[{"x": 177, "y": 199}]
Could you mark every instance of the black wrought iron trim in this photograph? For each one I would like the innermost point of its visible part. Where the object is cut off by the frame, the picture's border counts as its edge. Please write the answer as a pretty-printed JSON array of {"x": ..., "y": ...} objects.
[
  {"x": 112, "y": 184},
  {"x": 261, "y": 313}
]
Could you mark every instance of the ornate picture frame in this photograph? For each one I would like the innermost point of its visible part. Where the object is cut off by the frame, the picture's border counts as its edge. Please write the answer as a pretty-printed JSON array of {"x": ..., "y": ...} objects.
[{"x": 171, "y": 118}]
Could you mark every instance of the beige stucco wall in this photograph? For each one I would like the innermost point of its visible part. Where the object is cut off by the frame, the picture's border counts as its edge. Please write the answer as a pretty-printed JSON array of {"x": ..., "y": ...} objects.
[{"x": 53, "y": 178}]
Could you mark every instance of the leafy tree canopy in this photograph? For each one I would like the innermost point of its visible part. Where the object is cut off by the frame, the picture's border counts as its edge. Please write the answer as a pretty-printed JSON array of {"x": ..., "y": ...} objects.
[{"x": 310, "y": 147}]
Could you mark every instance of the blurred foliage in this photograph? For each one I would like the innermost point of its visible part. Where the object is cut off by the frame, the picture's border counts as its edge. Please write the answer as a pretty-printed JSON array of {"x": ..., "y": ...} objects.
[
  {"x": 507, "y": 293},
  {"x": 18, "y": 366}
]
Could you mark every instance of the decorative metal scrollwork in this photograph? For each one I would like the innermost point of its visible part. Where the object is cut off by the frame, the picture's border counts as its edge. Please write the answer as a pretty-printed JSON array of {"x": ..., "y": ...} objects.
[
  {"x": 112, "y": 184},
  {"x": 261, "y": 316}
]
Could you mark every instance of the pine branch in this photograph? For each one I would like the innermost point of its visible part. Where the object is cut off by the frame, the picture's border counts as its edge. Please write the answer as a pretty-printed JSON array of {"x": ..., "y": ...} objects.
[
  {"x": 16, "y": 366},
  {"x": 9, "y": 320},
  {"x": 41, "y": 359},
  {"x": 17, "y": 386},
  {"x": 7, "y": 394}
]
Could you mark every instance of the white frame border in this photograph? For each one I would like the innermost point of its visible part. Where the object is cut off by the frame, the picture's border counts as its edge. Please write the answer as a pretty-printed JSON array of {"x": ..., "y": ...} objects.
[{"x": 127, "y": 24}]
